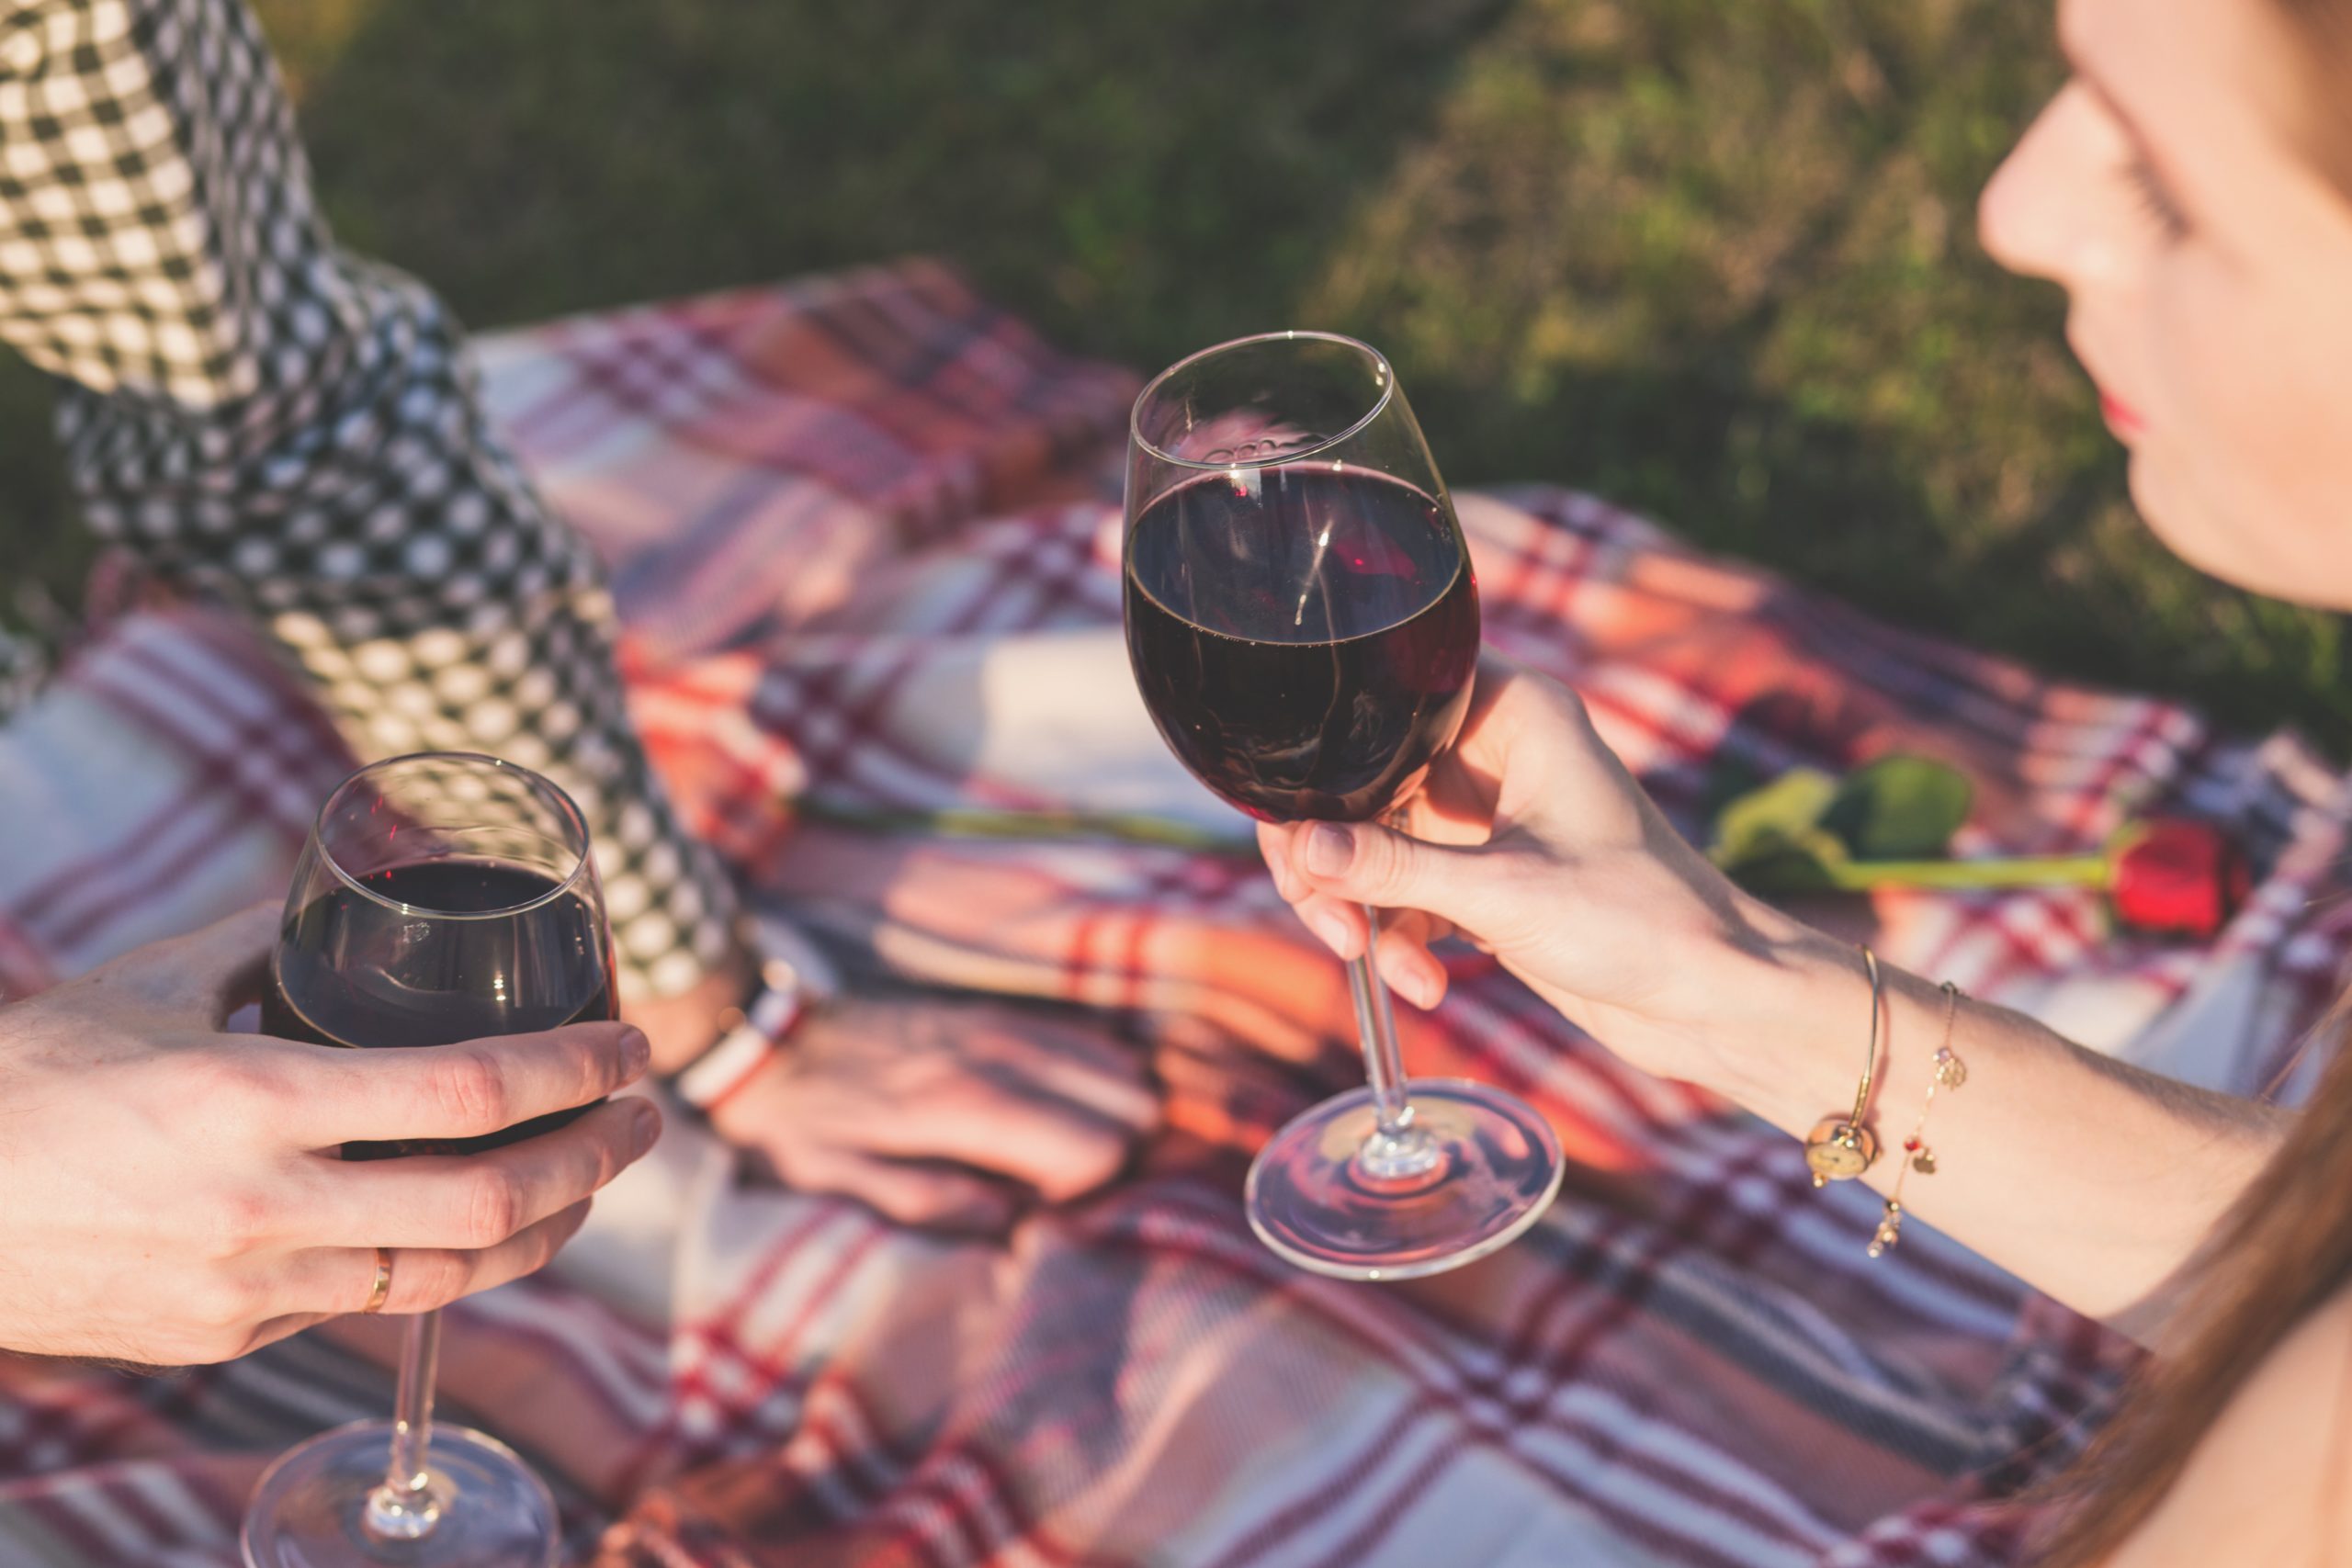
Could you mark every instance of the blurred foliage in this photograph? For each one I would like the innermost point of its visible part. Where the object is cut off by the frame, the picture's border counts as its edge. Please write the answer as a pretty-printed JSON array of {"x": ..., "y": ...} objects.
[{"x": 1714, "y": 261}]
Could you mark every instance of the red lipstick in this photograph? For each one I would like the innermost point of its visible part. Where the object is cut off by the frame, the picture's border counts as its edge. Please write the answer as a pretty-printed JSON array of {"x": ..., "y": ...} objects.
[{"x": 2121, "y": 417}]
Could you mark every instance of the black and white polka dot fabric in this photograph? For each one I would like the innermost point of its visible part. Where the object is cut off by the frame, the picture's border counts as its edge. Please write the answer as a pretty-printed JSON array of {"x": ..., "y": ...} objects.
[{"x": 273, "y": 422}]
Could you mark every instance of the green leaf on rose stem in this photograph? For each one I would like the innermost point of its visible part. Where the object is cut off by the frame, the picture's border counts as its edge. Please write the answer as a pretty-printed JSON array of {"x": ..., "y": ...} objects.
[
  {"x": 1899, "y": 807},
  {"x": 1804, "y": 863},
  {"x": 1729, "y": 777},
  {"x": 1779, "y": 815}
]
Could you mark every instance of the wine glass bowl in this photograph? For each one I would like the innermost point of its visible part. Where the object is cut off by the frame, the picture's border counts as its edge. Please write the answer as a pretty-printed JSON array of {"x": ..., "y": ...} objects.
[
  {"x": 1305, "y": 637},
  {"x": 1302, "y": 619},
  {"x": 1301, "y": 614},
  {"x": 441, "y": 896}
]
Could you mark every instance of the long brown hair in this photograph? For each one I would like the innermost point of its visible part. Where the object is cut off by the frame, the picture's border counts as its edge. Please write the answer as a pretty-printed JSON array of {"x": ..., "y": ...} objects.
[{"x": 2285, "y": 1249}]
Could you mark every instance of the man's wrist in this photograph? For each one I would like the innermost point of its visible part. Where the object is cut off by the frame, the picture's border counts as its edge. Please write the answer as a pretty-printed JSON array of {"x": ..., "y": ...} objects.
[
  {"x": 683, "y": 1026},
  {"x": 789, "y": 978}
]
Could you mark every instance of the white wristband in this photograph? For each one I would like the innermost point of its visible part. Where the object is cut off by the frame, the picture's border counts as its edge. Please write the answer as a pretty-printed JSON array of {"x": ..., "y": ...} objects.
[{"x": 794, "y": 976}]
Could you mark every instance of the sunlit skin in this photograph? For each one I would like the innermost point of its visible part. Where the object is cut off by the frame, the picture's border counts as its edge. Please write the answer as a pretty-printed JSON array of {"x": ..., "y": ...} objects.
[{"x": 2206, "y": 260}]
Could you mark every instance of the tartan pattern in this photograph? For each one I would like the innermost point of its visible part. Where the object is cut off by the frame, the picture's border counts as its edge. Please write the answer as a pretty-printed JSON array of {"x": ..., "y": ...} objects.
[
  {"x": 1690, "y": 1361},
  {"x": 270, "y": 422}
]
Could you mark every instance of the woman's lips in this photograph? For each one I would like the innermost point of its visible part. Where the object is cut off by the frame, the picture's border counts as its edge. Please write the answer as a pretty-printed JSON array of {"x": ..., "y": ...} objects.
[{"x": 2121, "y": 417}]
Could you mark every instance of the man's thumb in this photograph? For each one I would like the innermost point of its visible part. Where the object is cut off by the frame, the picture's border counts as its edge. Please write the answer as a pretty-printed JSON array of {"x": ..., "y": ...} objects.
[{"x": 209, "y": 972}]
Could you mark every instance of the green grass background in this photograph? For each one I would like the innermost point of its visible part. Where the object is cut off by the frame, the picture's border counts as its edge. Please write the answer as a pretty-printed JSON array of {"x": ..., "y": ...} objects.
[{"x": 1714, "y": 260}]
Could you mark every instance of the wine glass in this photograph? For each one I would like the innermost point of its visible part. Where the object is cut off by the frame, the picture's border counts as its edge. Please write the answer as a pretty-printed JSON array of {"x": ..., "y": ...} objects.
[
  {"x": 1304, "y": 625},
  {"x": 441, "y": 897}
]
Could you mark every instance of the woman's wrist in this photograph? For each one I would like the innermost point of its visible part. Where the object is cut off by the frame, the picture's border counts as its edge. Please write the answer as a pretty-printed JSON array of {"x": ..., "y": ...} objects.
[
  {"x": 1794, "y": 1050},
  {"x": 1795, "y": 1024}
]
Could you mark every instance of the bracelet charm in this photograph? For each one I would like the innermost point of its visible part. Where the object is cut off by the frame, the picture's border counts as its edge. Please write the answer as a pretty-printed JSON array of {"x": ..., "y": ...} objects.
[{"x": 1840, "y": 1148}]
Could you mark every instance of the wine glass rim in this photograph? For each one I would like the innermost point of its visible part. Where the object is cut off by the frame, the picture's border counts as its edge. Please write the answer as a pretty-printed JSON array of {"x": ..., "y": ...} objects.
[
  {"x": 474, "y": 758},
  {"x": 1385, "y": 372}
]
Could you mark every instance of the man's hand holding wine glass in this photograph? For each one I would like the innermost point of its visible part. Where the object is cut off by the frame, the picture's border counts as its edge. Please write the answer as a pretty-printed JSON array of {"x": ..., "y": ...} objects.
[{"x": 171, "y": 1192}]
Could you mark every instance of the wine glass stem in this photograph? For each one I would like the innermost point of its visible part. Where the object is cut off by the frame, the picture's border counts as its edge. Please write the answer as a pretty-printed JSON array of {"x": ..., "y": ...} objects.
[
  {"x": 407, "y": 1506},
  {"x": 1394, "y": 1147}
]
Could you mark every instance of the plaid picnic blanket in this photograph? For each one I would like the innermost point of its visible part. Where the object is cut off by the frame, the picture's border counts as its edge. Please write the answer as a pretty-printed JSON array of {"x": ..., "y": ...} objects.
[{"x": 864, "y": 535}]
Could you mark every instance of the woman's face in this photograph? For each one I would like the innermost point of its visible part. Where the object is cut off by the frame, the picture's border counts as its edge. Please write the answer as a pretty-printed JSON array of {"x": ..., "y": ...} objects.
[{"x": 2209, "y": 267}]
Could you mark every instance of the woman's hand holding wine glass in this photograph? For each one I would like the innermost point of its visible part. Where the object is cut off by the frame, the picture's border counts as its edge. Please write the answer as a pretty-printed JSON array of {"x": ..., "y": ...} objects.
[
  {"x": 1532, "y": 841},
  {"x": 180, "y": 1185}
]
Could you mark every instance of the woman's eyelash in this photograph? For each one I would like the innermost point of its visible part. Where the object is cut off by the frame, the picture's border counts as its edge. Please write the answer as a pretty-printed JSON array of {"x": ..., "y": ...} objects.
[{"x": 2155, "y": 199}]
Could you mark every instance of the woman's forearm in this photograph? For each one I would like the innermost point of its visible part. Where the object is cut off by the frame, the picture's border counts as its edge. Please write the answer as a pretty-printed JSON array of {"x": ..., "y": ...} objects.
[{"x": 2089, "y": 1179}]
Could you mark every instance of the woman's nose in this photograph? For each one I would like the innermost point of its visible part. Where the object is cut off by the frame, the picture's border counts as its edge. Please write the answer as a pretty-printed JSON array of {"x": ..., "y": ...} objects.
[{"x": 2037, "y": 213}]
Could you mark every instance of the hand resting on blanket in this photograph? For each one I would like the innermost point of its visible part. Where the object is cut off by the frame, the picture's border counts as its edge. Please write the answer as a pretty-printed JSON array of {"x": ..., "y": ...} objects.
[
  {"x": 171, "y": 1193},
  {"x": 949, "y": 1116},
  {"x": 954, "y": 1118},
  {"x": 2091, "y": 1179}
]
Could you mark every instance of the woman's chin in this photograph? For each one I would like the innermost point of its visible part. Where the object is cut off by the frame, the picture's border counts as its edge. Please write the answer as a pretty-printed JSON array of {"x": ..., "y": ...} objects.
[
  {"x": 2179, "y": 528},
  {"x": 2235, "y": 551}
]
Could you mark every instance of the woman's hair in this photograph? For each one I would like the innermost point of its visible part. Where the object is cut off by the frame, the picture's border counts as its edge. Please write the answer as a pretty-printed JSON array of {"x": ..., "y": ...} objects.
[
  {"x": 2284, "y": 1250},
  {"x": 2322, "y": 31}
]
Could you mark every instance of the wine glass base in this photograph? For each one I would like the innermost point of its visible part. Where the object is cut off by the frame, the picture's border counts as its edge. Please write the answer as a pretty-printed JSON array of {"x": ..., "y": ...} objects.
[
  {"x": 1330, "y": 1197},
  {"x": 310, "y": 1507}
]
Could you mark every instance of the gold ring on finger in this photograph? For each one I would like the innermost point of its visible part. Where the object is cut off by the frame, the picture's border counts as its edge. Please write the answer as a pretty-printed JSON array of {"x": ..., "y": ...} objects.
[{"x": 375, "y": 1298}]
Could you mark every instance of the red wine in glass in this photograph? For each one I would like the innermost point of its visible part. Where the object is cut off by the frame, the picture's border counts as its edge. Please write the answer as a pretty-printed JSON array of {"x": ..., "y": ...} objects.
[
  {"x": 1303, "y": 625},
  {"x": 1321, "y": 686},
  {"x": 480, "y": 977}
]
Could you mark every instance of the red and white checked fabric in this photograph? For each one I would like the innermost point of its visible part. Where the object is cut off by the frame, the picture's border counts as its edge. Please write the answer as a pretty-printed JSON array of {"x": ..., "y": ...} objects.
[{"x": 861, "y": 537}]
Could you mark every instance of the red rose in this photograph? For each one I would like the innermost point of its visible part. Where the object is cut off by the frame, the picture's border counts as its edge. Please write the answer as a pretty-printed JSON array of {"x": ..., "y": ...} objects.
[{"x": 2176, "y": 877}]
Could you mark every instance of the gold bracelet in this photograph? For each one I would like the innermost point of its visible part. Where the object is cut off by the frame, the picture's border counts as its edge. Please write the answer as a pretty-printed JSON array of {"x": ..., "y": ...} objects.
[
  {"x": 1840, "y": 1148},
  {"x": 1950, "y": 1072}
]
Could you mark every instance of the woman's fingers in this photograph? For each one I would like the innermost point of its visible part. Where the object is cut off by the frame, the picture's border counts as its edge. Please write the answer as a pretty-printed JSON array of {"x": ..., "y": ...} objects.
[
  {"x": 1338, "y": 923},
  {"x": 1405, "y": 961},
  {"x": 1273, "y": 845},
  {"x": 467, "y": 1091},
  {"x": 1362, "y": 863},
  {"x": 467, "y": 1203}
]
